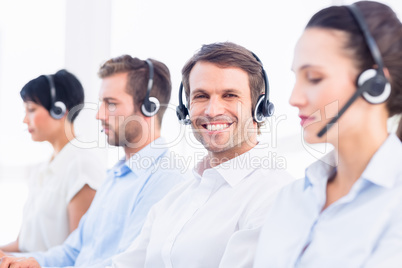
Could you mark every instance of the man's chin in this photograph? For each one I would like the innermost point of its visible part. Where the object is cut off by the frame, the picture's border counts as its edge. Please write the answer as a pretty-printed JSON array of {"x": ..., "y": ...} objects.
[
  {"x": 112, "y": 141},
  {"x": 217, "y": 148}
]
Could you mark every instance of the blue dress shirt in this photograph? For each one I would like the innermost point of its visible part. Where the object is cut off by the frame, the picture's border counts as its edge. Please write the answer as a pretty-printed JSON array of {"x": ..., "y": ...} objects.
[
  {"x": 361, "y": 229},
  {"x": 117, "y": 212}
]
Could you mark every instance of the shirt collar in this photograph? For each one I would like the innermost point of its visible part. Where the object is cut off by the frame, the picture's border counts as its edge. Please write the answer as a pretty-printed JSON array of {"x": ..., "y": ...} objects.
[
  {"x": 238, "y": 168},
  {"x": 59, "y": 161},
  {"x": 320, "y": 171},
  {"x": 385, "y": 166},
  {"x": 382, "y": 170},
  {"x": 142, "y": 161}
]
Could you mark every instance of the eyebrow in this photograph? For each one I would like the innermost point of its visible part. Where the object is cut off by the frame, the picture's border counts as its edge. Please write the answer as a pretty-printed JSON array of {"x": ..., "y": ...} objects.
[
  {"x": 225, "y": 91},
  {"x": 305, "y": 66},
  {"x": 198, "y": 90},
  {"x": 232, "y": 90},
  {"x": 109, "y": 99}
]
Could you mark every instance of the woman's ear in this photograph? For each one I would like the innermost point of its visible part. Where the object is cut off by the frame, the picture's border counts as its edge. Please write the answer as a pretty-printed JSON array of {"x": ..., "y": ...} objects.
[{"x": 386, "y": 73}]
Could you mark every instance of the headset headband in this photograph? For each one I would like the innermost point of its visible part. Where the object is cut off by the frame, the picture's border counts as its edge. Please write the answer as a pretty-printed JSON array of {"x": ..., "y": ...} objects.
[
  {"x": 265, "y": 76},
  {"x": 52, "y": 89},
  {"x": 151, "y": 105},
  {"x": 372, "y": 45}
]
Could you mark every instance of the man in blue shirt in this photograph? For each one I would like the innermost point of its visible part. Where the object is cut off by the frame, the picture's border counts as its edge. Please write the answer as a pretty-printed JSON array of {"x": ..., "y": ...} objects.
[{"x": 134, "y": 95}]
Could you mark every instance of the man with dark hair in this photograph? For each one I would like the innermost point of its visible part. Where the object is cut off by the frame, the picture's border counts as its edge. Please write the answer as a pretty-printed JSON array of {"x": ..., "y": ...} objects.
[
  {"x": 120, "y": 206},
  {"x": 215, "y": 219}
]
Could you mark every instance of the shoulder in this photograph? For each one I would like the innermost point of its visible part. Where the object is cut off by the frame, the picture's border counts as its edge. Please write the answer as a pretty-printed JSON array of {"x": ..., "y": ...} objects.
[
  {"x": 168, "y": 177},
  {"x": 85, "y": 160},
  {"x": 271, "y": 180},
  {"x": 166, "y": 167},
  {"x": 291, "y": 193},
  {"x": 265, "y": 186},
  {"x": 84, "y": 154},
  {"x": 83, "y": 166},
  {"x": 275, "y": 174},
  {"x": 178, "y": 190}
]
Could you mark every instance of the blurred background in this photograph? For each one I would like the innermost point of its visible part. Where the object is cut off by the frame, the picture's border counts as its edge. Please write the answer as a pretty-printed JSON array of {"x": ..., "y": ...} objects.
[{"x": 43, "y": 36}]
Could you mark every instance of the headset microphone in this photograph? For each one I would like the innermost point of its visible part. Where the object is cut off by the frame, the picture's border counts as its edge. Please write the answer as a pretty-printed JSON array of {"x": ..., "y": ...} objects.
[
  {"x": 344, "y": 108},
  {"x": 371, "y": 84}
]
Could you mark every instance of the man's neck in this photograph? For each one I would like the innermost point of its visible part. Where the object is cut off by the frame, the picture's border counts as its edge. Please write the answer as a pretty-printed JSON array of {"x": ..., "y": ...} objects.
[
  {"x": 136, "y": 147},
  {"x": 217, "y": 158}
]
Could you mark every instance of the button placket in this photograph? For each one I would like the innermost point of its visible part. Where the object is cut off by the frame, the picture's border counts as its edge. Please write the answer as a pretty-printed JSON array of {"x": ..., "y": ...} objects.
[{"x": 198, "y": 197}]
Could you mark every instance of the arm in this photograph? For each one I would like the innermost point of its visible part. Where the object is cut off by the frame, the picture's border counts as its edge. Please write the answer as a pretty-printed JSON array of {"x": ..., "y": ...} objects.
[
  {"x": 388, "y": 251},
  {"x": 15, "y": 262},
  {"x": 11, "y": 247},
  {"x": 134, "y": 256},
  {"x": 79, "y": 205},
  {"x": 59, "y": 256},
  {"x": 153, "y": 191},
  {"x": 133, "y": 251},
  {"x": 85, "y": 175}
]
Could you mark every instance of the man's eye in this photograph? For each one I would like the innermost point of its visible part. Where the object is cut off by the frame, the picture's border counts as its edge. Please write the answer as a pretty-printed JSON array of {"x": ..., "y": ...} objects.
[
  {"x": 111, "y": 106},
  {"x": 231, "y": 95},
  {"x": 199, "y": 96}
]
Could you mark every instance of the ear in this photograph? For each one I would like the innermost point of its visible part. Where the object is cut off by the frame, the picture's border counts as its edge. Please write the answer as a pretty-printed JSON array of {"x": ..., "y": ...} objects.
[{"x": 386, "y": 73}]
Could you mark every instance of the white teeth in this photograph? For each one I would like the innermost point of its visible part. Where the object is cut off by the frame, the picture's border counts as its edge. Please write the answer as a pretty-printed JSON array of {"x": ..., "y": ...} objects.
[{"x": 217, "y": 127}]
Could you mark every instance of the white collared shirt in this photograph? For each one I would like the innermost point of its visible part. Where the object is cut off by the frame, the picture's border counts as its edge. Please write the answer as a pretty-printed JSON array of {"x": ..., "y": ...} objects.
[
  {"x": 51, "y": 187},
  {"x": 361, "y": 229},
  {"x": 213, "y": 220}
]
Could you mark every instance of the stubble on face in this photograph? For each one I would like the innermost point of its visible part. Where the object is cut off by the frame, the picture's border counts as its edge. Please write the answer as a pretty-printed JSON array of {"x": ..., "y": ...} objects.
[
  {"x": 129, "y": 131},
  {"x": 239, "y": 137},
  {"x": 220, "y": 109}
]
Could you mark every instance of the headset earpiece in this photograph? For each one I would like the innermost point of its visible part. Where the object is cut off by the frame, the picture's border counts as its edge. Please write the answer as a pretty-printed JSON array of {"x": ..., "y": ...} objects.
[
  {"x": 263, "y": 109},
  {"x": 58, "y": 109},
  {"x": 151, "y": 105},
  {"x": 181, "y": 109},
  {"x": 376, "y": 87}
]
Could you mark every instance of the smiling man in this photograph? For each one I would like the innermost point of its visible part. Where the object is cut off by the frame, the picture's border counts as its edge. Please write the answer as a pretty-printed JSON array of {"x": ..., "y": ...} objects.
[
  {"x": 221, "y": 110},
  {"x": 214, "y": 220},
  {"x": 134, "y": 95}
]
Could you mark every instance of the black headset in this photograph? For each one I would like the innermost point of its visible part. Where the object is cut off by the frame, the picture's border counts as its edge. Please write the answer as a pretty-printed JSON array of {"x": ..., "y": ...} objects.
[
  {"x": 263, "y": 108},
  {"x": 371, "y": 84},
  {"x": 151, "y": 105},
  {"x": 58, "y": 108}
]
